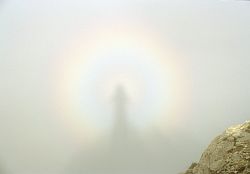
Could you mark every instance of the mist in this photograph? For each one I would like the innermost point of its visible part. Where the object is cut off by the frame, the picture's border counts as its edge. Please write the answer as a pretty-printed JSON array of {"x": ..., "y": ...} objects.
[{"x": 183, "y": 65}]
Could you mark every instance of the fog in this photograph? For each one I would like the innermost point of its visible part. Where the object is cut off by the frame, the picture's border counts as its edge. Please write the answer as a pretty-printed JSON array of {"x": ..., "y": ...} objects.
[{"x": 183, "y": 65}]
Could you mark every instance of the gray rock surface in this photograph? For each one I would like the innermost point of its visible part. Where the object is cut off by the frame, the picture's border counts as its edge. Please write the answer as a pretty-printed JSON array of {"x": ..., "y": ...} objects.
[{"x": 229, "y": 153}]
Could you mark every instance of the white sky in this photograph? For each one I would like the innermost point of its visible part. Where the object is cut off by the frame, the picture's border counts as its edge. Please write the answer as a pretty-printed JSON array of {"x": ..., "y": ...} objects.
[{"x": 212, "y": 36}]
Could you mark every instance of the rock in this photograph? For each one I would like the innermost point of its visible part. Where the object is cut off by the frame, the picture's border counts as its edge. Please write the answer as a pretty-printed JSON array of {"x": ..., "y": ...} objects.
[
  {"x": 190, "y": 169},
  {"x": 229, "y": 153}
]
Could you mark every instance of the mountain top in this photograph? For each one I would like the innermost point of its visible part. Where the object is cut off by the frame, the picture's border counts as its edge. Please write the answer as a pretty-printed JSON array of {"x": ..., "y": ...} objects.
[{"x": 229, "y": 153}]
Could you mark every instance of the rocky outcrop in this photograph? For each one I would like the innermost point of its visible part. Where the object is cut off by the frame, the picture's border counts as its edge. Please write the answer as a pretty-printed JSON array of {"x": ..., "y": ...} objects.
[{"x": 228, "y": 153}]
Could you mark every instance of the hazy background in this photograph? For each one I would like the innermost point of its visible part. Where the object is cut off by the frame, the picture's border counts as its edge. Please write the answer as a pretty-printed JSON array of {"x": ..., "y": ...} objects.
[{"x": 212, "y": 36}]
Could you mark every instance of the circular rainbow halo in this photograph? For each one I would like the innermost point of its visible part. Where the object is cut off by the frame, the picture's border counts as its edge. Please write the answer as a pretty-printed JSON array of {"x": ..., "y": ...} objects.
[{"x": 106, "y": 60}]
